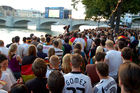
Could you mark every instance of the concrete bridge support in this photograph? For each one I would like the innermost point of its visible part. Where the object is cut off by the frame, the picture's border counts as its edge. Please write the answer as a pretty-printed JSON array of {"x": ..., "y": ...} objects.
[
  {"x": 2, "y": 23},
  {"x": 9, "y": 21}
]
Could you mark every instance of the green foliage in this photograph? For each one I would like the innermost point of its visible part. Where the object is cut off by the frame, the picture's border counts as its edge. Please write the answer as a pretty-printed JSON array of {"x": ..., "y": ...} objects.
[{"x": 105, "y": 7}]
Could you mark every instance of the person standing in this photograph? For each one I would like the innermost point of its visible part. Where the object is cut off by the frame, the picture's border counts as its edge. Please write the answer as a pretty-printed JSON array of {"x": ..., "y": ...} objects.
[
  {"x": 113, "y": 59},
  {"x": 75, "y": 81},
  {"x": 107, "y": 84}
]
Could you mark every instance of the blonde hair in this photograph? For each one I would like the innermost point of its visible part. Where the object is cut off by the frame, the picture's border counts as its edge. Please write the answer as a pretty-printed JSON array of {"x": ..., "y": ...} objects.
[
  {"x": 99, "y": 49},
  {"x": 60, "y": 43},
  {"x": 51, "y": 52},
  {"x": 109, "y": 43},
  {"x": 13, "y": 48},
  {"x": 66, "y": 64},
  {"x": 54, "y": 60}
]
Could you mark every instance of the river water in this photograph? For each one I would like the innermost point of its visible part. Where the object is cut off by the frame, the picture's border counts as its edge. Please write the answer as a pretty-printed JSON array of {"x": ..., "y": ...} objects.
[{"x": 6, "y": 34}]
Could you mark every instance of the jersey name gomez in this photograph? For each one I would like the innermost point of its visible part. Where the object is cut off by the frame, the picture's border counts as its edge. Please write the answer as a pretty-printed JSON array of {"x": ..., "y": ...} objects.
[{"x": 76, "y": 82}]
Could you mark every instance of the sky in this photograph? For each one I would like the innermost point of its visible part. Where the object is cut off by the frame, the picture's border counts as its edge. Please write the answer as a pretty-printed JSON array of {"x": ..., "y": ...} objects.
[{"x": 41, "y": 4}]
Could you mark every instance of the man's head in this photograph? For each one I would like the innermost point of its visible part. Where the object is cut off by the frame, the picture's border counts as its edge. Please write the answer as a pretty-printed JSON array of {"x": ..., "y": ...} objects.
[
  {"x": 121, "y": 45},
  {"x": 55, "y": 43},
  {"x": 17, "y": 39},
  {"x": 103, "y": 42},
  {"x": 78, "y": 46},
  {"x": 13, "y": 40},
  {"x": 28, "y": 40},
  {"x": 56, "y": 82},
  {"x": 40, "y": 47},
  {"x": 76, "y": 60},
  {"x": 102, "y": 69},
  {"x": 100, "y": 56},
  {"x": 129, "y": 77},
  {"x": 109, "y": 44},
  {"x": 18, "y": 88},
  {"x": 34, "y": 38},
  {"x": 48, "y": 39},
  {"x": 66, "y": 40},
  {"x": 39, "y": 67},
  {"x": 126, "y": 53},
  {"x": 24, "y": 39},
  {"x": 54, "y": 61},
  {"x": 97, "y": 41}
]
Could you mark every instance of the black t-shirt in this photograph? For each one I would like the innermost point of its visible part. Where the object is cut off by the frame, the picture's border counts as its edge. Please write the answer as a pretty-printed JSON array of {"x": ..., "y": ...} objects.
[
  {"x": 37, "y": 85},
  {"x": 67, "y": 48},
  {"x": 28, "y": 59}
]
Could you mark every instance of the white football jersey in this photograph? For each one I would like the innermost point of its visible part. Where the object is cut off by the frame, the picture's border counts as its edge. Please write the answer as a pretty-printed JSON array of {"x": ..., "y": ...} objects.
[
  {"x": 76, "y": 82},
  {"x": 106, "y": 86}
]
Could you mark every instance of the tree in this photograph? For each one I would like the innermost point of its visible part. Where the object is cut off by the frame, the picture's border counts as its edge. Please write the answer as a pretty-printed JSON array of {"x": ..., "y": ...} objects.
[{"x": 109, "y": 9}]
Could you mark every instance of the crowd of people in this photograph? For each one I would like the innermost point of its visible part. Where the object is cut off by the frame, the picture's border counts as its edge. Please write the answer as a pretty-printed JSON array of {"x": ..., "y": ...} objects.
[{"x": 89, "y": 61}]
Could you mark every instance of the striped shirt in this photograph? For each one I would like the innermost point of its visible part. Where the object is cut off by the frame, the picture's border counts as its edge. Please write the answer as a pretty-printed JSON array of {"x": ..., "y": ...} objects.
[{"x": 59, "y": 53}]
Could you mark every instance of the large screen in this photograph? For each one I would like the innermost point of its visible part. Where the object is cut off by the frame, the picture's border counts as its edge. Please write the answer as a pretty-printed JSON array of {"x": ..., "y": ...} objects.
[{"x": 54, "y": 13}]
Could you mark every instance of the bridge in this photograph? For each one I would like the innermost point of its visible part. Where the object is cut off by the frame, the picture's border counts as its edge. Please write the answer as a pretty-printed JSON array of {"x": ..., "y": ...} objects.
[{"x": 44, "y": 23}]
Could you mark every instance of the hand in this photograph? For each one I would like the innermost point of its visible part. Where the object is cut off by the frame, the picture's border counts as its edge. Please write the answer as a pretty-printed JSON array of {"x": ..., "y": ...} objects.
[{"x": 20, "y": 80}]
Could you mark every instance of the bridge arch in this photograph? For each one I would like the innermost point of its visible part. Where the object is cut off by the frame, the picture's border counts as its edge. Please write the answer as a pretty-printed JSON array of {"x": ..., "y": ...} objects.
[
  {"x": 47, "y": 25},
  {"x": 2, "y": 22},
  {"x": 21, "y": 23},
  {"x": 76, "y": 27},
  {"x": 136, "y": 19}
]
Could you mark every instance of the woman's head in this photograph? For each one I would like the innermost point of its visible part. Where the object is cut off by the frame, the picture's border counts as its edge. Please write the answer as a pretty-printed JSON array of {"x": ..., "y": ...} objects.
[
  {"x": 51, "y": 52},
  {"x": 32, "y": 50},
  {"x": 12, "y": 50},
  {"x": 3, "y": 61},
  {"x": 66, "y": 63},
  {"x": 60, "y": 44}
]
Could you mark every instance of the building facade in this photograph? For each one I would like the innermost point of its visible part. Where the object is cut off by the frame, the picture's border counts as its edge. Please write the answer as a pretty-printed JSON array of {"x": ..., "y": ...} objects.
[
  {"x": 7, "y": 11},
  {"x": 28, "y": 13}
]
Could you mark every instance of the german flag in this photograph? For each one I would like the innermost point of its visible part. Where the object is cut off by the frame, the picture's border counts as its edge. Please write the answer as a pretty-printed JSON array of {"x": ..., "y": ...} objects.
[
  {"x": 71, "y": 40},
  {"x": 3, "y": 82},
  {"x": 26, "y": 72}
]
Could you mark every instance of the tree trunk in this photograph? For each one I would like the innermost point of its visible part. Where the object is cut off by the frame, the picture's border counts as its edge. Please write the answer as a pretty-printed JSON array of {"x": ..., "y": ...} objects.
[
  {"x": 118, "y": 18},
  {"x": 112, "y": 20}
]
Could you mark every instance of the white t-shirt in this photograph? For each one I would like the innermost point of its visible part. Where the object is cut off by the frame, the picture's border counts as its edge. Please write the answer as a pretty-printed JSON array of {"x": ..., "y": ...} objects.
[
  {"x": 106, "y": 86},
  {"x": 5, "y": 77},
  {"x": 12, "y": 78},
  {"x": 82, "y": 41},
  {"x": 89, "y": 43},
  {"x": 3, "y": 91},
  {"x": 76, "y": 82},
  {"x": 114, "y": 61},
  {"x": 4, "y": 50},
  {"x": 49, "y": 72},
  {"x": 23, "y": 50}
]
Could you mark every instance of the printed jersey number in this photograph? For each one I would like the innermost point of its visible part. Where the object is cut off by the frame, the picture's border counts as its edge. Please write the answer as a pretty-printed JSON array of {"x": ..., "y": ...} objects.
[
  {"x": 113, "y": 90},
  {"x": 74, "y": 89}
]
